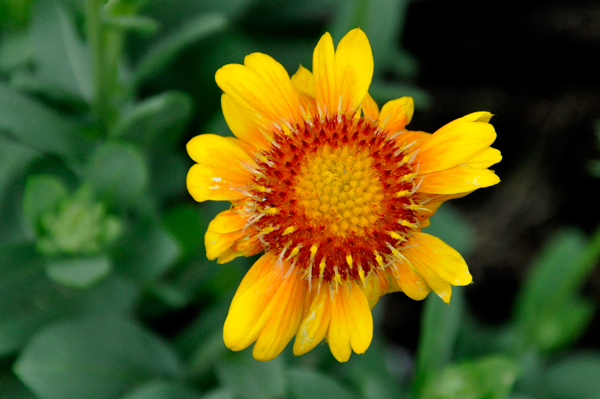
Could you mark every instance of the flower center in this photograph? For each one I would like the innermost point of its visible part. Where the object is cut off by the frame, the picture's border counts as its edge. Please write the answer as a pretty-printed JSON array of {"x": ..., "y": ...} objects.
[
  {"x": 339, "y": 188},
  {"x": 334, "y": 197}
]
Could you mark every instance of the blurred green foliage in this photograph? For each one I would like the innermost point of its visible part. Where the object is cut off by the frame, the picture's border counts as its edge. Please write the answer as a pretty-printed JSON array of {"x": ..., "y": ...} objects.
[{"x": 105, "y": 290}]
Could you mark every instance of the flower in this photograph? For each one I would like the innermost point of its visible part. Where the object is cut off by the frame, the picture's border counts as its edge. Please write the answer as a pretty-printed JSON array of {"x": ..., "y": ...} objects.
[{"x": 336, "y": 192}]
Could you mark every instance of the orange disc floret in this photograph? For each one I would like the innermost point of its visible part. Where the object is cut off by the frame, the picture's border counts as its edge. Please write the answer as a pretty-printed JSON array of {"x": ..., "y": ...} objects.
[{"x": 335, "y": 197}]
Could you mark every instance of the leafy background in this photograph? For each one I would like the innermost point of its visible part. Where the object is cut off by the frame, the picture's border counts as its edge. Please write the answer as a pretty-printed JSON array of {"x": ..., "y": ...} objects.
[{"x": 105, "y": 290}]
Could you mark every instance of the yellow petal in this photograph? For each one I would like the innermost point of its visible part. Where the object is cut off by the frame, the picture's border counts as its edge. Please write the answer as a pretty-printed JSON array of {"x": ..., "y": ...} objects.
[
  {"x": 360, "y": 319},
  {"x": 438, "y": 263},
  {"x": 338, "y": 336},
  {"x": 315, "y": 323},
  {"x": 242, "y": 126},
  {"x": 370, "y": 108},
  {"x": 262, "y": 88},
  {"x": 227, "y": 238},
  {"x": 324, "y": 75},
  {"x": 413, "y": 137},
  {"x": 376, "y": 286},
  {"x": 459, "y": 179},
  {"x": 408, "y": 281},
  {"x": 249, "y": 312},
  {"x": 454, "y": 144},
  {"x": 342, "y": 79},
  {"x": 284, "y": 320},
  {"x": 396, "y": 114},
  {"x": 487, "y": 158},
  {"x": 219, "y": 173},
  {"x": 263, "y": 266},
  {"x": 303, "y": 81}
]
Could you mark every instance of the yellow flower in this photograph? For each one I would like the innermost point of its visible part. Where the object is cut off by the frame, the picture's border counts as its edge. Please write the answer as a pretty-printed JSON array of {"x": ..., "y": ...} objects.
[{"x": 336, "y": 192}]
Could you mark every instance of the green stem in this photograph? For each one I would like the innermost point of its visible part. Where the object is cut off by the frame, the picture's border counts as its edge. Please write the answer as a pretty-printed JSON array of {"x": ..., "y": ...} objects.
[{"x": 97, "y": 42}]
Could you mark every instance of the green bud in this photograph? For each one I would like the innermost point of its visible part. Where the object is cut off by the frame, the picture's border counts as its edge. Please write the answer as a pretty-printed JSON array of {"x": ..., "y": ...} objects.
[{"x": 79, "y": 225}]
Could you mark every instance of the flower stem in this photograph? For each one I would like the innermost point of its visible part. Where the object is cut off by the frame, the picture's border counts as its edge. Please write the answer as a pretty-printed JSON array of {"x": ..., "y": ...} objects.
[{"x": 102, "y": 87}]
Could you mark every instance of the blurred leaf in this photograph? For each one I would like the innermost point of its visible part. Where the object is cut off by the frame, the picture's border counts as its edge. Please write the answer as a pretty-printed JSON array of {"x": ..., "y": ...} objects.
[
  {"x": 14, "y": 12},
  {"x": 12, "y": 388},
  {"x": 40, "y": 127},
  {"x": 113, "y": 296},
  {"x": 28, "y": 299},
  {"x": 372, "y": 375},
  {"x": 146, "y": 252},
  {"x": 118, "y": 172},
  {"x": 134, "y": 23},
  {"x": 490, "y": 378},
  {"x": 169, "y": 170},
  {"x": 123, "y": 7},
  {"x": 247, "y": 378},
  {"x": 95, "y": 358},
  {"x": 218, "y": 394},
  {"x": 197, "y": 339},
  {"x": 161, "y": 390},
  {"x": 575, "y": 377},
  {"x": 42, "y": 193},
  {"x": 79, "y": 273},
  {"x": 156, "y": 122},
  {"x": 548, "y": 309},
  {"x": 60, "y": 55},
  {"x": 208, "y": 352},
  {"x": 440, "y": 323},
  {"x": 308, "y": 384},
  {"x": 185, "y": 223},
  {"x": 14, "y": 158},
  {"x": 164, "y": 51},
  {"x": 15, "y": 50},
  {"x": 451, "y": 226}
]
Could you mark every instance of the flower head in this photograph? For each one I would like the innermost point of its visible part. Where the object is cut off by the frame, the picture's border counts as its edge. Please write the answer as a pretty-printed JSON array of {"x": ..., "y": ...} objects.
[{"x": 336, "y": 192}]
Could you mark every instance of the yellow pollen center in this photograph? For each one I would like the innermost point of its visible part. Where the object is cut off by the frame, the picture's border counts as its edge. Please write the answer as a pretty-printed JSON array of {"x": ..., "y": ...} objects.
[{"x": 340, "y": 190}]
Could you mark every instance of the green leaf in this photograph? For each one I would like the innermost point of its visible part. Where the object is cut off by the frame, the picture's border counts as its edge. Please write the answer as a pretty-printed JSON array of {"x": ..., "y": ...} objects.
[
  {"x": 93, "y": 359},
  {"x": 247, "y": 378},
  {"x": 14, "y": 158},
  {"x": 548, "y": 311},
  {"x": 29, "y": 300},
  {"x": 185, "y": 223},
  {"x": 42, "y": 193},
  {"x": 161, "y": 390},
  {"x": 27, "y": 297},
  {"x": 113, "y": 296},
  {"x": 164, "y": 51},
  {"x": 575, "y": 377},
  {"x": 169, "y": 171},
  {"x": 40, "y": 127},
  {"x": 156, "y": 122},
  {"x": 146, "y": 252},
  {"x": 490, "y": 378},
  {"x": 439, "y": 329},
  {"x": 14, "y": 49},
  {"x": 372, "y": 374},
  {"x": 14, "y": 12},
  {"x": 218, "y": 394},
  {"x": 79, "y": 273},
  {"x": 11, "y": 388},
  {"x": 308, "y": 384},
  {"x": 118, "y": 172},
  {"x": 60, "y": 55}
]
